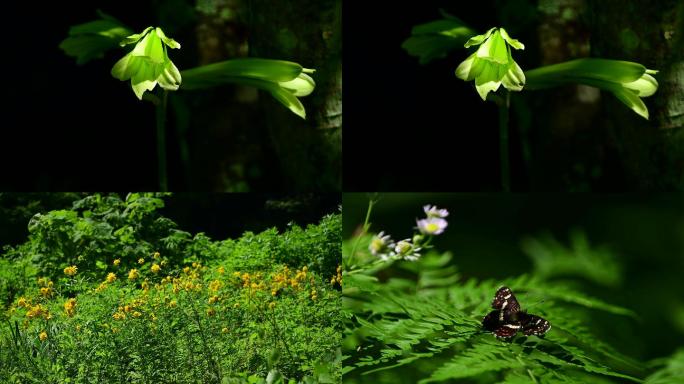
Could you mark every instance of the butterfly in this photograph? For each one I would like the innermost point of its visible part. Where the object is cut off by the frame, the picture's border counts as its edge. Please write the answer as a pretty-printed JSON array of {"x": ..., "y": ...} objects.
[{"x": 507, "y": 319}]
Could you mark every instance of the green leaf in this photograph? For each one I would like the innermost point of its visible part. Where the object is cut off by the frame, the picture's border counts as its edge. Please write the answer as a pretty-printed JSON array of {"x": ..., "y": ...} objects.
[
  {"x": 570, "y": 71},
  {"x": 263, "y": 69},
  {"x": 435, "y": 39},
  {"x": 91, "y": 40}
]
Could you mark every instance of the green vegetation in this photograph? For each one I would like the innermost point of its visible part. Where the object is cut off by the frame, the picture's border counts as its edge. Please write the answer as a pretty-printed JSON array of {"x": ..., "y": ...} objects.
[
  {"x": 110, "y": 291},
  {"x": 421, "y": 321}
]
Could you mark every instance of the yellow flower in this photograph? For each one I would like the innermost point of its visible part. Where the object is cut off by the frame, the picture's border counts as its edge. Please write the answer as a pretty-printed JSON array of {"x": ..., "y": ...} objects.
[
  {"x": 271, "y": 305},
  {"x": 305, "y": 268},
  {"x": 45, "y": 291},
  {"x": 211, "y": 312},
  {"x": 236, "y": 274},
  {"x": 119, "y": 316},
  {"x": 224, "y": 330},
  {"x": 141, "y": 261},
  {"x": 155, "y": 268},
  {"x": 111, "y": 277},
  {"x": 43, "y": 336},
  {"x": 70, "y": 271},
  {"x": 215, "y": 285},
  {"x": 35, "y": 311},
  {"x": 236, "y": 305},
  {"x": 274, "y": 292},
  {"x": 195, "y": 265},
  {"x": 70, "y": 307},
  {"x": 133, "y": 274},
  {"x": 156, "y": 255},
  {"x": 213, "y": 299},
  {"x": 22, "y": 302},
  {"x": 137, "y": 314},
  {"x": 163, "y": 263},
  {"x": 127, "y": 308},
  {"x": 101, "y": 287},
  {"x": 117, "y": 262},
  {"x": 221, "y": 270},
  {"x": 186, "y": 270},
  {"x": 173, "y": 304},
  {"x": 42, "y": 281}
]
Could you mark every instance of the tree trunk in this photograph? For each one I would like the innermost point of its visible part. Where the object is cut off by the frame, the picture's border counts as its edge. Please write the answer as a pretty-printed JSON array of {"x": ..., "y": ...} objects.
[
  {"x": 650, "y": 33},
  {"x": 307, "y": 32}
]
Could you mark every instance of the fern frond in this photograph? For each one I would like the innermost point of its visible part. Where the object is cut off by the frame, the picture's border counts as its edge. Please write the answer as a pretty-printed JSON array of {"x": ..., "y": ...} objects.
[{"x": 672, "y": 372}]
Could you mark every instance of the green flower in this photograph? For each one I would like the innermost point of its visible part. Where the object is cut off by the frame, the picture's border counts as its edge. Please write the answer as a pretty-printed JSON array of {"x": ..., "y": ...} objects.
[
  {"x": 628, "y": 81},
  {"x": 492, "y": 64},
  {"x": 148, "y": 64}
]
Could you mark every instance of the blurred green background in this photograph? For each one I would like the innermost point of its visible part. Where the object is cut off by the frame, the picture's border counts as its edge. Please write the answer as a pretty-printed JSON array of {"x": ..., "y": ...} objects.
[{"x": 637, "y": 239}]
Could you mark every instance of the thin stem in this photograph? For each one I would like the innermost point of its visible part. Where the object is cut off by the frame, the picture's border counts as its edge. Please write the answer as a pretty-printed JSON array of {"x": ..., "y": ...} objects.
[
  {"x": 504, "y": 107},
  {"x": 161, "y": 143},
  {"x": 364, "y": 230}
]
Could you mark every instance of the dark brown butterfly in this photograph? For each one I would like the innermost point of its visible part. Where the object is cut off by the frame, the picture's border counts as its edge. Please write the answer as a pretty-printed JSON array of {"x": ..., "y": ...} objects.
[{"x": 507, "y": 319}]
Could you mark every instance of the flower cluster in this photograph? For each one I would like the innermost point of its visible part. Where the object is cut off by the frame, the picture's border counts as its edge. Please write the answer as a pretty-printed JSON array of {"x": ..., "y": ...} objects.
[
  {"x": 383, "y": 247},
  {"x": 70, "y": 307},
  {"x": 337, "y": 278},
  {"x": 71, "y": 271}
]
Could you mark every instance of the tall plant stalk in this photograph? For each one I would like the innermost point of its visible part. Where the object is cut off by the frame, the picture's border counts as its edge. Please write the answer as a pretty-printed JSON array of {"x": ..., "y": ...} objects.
[
  {"x": 161, "y": 142},
  {"x": 504, "y": 106}
]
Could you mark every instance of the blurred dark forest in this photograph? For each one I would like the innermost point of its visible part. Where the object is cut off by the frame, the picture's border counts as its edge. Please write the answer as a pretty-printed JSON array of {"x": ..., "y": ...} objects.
[
  {"x": 565, "y": 139},
  {"x": 219, "y": 215},
  {"x": 69, "y": 127},
  {"x": 488, "y": 236}
]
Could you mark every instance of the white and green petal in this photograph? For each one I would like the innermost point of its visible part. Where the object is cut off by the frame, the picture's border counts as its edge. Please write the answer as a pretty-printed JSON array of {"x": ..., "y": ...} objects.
[
  {"x": 148, "y": 64},
  {"x": 492, "y": 64}
]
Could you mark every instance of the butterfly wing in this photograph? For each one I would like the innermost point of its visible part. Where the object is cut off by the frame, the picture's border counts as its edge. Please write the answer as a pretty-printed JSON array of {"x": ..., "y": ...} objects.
[
  {"x": 534, "y": 325},
  {"x": 500, "y": 329},
  {"x": 491, "y": 321},
  {"x": 505, "y": 300}
]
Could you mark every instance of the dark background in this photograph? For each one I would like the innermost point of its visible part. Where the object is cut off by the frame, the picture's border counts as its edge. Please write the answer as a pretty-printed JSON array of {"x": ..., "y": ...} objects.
[
  {"x": 399, "y": 112},
  {"x": 66, "y": 126},
  {"x": 416, "y": 127},
  {"x": 69, "y": 127},
  {"x": 485, "y": 231}
]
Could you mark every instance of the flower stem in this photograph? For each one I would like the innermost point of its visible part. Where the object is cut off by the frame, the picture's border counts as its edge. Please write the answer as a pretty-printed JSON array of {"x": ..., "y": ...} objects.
[
  {"x": 161, "y": 143},
  {"x": 504, "y": 107}
]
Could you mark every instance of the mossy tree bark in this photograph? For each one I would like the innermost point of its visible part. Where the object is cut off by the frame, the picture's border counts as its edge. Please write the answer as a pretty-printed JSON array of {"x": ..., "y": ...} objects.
[
  {"x": 651, "y": 33},
  {"x": 308, "y": 32}
]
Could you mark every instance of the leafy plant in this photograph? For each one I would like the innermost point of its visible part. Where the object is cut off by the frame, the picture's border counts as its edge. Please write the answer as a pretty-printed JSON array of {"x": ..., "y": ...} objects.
[
  {"x": 492, "y": 65},
  {"x": 421, "y": 321},
  {"x": 148, "y": 64},
  {"x": 110, "y": 291}
]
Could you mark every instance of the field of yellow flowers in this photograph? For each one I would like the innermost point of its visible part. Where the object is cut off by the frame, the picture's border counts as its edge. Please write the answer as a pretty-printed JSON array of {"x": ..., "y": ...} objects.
[{"x": 230, "y": 311}]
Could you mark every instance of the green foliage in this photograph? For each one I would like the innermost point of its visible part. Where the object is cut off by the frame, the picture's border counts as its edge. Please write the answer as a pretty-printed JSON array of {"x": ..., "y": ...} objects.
[
  {"x": 671, "y": 371},
  {"x": 436, "y": 39},
  {"x": 429, "y": 320},
  {"x": 258, "y": 309},
  {"x": 553, "y": 259},
  {"x": 91, "y": 40}
]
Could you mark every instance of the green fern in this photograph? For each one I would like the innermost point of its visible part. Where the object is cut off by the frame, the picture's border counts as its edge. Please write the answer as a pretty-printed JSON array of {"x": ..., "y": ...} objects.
[{"x": 430, "y": 320}]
